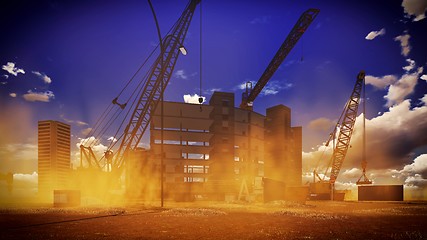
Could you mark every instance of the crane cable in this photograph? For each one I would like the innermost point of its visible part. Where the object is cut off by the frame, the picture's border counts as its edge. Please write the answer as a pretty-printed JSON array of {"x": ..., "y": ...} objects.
[
  {"x": 107, "y": 111},
  {"x": 337, "y": 129},
  {"x": 100, "y": 119},
  {"x": 201, "y": 99},
  {"x": 114, "y": 138},
  {"x": 114, "y": 117},
  {"x": 140, "y": 86},
  {"x": 332, "y": 136}
]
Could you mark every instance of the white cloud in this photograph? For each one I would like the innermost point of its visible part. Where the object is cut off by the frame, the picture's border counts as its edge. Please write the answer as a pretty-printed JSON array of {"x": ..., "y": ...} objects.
[
  {"x": 12, "y": 94},
  {"x": 88, "y": 141},
  {"x": 261, "y": 20},
  {"x": 317, "y": 158},
  {"x": 391, "y": 140},
  {"x": 23, "y": 151},
  {"x": 323, "y": 65},
  {"x": 86, "y": 131},
  {"x": 193, "y": 99},
  {"x": 415, "y": 8},
  {"x": 112, "y": 139},
  {"x": 97, "y": 147},
  {"x": 424, "y": 77},
  {"x": 424, "y": 100},
  {"x": 211, "y": 91},
  {"x": 242, "y": 86},
  {"x": 411, "y": 65},
  {"x": 81, "y": 123},
  {"x": 43, "y": 76},
  {"x": 321, "y": 124},
  {"x": 144, "y": 145},
  {"x": 398, "y": 89},
  {"x": 180, "y": 74},
  {"x": 272, "y": 87},
  {"x": 404, "y": 43},
  {"x": 288, "y": 63},
  {"x": 77, "y": 122},
  {"x": 29, "y": 178},
  {"x": 372, "y": 35},
  {"x": 352, "y": 173},
  {"x": 392, "y": 136},
  {"x": 5, "y": 76},
  {"x": 405, "y": 86},
  {"x": 419, "y": 166},
  {"x": 25, "y": 185},
  {"x": 10, "y": 68},
  {"x": 17, "y": 157},
  {"x": 414, "y": 174},
  {"x": 380, "y": 82},
  {"x": 419, "y": 17},
  {"x": 39, "y": 96},
  {"x": 3, "y": 83},
  {"x": 416, "y": 181}
]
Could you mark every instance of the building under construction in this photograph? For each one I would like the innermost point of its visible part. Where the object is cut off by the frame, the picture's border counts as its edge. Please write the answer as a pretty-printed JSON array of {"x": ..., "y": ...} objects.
[{"x": 215, "y": 151}]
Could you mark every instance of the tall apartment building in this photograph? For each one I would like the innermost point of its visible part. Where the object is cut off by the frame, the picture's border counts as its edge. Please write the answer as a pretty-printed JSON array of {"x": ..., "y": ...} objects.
[
  {"x": 53, "y": 156},
  {"x": 212, "y": 149},
  {"x": 186, "y": 146}
]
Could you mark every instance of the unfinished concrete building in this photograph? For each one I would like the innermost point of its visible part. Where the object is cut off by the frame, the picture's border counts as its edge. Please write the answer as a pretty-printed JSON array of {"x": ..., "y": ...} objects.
[
  {"x": 211, "y": 150},
  {"x": 283, "y": 148}
]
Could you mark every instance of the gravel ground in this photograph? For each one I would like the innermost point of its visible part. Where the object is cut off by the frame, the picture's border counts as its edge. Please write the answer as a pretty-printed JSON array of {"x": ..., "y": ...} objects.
[{"x": 277, "y": 220}]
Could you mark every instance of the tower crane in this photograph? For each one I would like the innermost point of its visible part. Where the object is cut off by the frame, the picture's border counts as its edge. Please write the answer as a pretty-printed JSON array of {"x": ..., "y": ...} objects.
[
  {"x": 155, "y": 84},
  {"x": 346, "y": 127},
  {"x": 297, "y": 31}
]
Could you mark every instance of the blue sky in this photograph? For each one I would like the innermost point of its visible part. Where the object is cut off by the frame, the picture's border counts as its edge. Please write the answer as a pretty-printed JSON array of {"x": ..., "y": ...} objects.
[{"x": 78, "y": 55}]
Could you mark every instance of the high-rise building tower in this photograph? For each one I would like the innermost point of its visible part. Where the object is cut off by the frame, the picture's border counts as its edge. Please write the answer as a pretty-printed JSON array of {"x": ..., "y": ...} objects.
[{"x": 53, "y": 156}]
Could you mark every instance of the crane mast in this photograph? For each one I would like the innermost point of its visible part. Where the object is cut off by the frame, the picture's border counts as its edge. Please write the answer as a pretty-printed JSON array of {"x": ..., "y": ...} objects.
[
  {"x": 297, "y": 31},
  {"x": 346, "y": 128},
  {"x": 156, "y": 83}
]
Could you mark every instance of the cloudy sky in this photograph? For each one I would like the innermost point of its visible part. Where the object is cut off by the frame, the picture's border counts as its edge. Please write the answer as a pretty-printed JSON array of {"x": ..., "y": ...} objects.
[{"x": 66, "y": 60}]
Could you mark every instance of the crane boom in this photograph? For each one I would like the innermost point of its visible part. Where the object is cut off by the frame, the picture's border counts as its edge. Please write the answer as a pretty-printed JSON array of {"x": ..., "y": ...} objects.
[
  {"x": 347, "y": 127},
  {"x": 297, "y": 31},
  {"x": 158, "y": 78}
]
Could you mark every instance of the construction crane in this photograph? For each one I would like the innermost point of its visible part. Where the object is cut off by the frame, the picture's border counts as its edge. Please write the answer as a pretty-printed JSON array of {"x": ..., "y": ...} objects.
[
  {"x": 297, "y": 31},
  {"x": 250, "y": 94},
  {"x": 363, "y": 179},
  {"x": 148, "y": 98},
  {"x": 346, "y": 126}
]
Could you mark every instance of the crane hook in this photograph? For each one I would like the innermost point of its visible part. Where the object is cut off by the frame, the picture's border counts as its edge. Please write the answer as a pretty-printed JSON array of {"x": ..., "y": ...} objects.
[{"x": 122, "y": 106}]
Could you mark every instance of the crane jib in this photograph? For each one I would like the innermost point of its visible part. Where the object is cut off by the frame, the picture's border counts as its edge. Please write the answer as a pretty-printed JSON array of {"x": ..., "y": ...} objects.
[
  {"x": 157, "y": 80},
  {"x": 297, "y": 31}
]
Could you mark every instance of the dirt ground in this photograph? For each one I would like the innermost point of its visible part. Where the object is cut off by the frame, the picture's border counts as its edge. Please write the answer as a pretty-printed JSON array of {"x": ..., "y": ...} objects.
[{"x": 278, "y": 220}]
